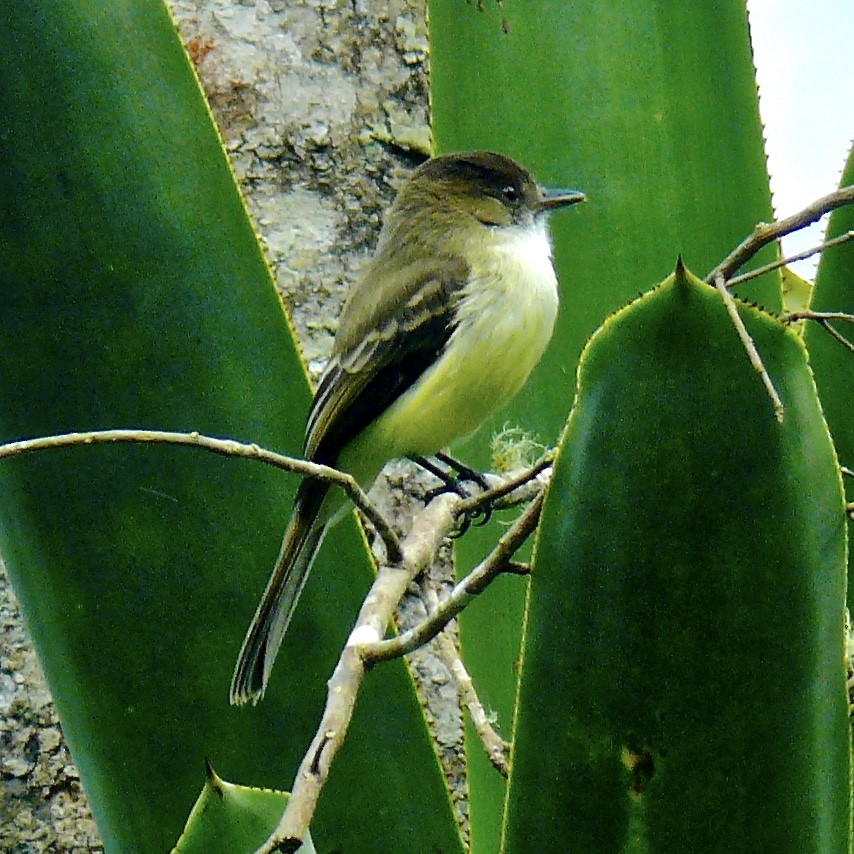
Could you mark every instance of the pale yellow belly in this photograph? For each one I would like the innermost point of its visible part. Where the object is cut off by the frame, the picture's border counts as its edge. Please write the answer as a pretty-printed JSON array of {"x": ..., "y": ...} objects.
[{"x": 505, "y": 323}]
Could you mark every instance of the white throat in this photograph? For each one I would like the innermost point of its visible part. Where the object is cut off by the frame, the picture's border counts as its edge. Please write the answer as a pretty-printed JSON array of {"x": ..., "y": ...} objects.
[
  {"x": 515, "y": 282},
  {"x": 530, "y": 244}
]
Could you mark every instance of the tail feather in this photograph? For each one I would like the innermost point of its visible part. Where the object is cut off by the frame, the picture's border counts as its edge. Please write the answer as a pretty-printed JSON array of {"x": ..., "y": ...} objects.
[{"x": 300, "y": 544}]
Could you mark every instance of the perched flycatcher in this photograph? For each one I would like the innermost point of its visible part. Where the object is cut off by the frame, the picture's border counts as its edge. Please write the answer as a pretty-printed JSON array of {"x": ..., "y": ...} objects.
[{"x": 443, "y": 327}]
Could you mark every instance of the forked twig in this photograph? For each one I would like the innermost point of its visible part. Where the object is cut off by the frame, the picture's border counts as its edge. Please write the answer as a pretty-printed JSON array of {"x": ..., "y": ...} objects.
[
  {"x": 474, "y": 583},
  {"x": 429, "y": 529},
  {"x": 823, "y": 318},
  {"x": 763, "y": 234},
  {"x": 766, "y": 233}
]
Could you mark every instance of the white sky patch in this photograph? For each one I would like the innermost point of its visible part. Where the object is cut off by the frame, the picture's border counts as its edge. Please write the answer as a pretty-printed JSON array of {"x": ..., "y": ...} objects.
[{"x": 805, "y": 68}]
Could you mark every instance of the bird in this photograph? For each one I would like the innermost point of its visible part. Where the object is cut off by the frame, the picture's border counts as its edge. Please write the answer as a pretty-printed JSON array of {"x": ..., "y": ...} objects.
[{"x": 443, "y": 326}]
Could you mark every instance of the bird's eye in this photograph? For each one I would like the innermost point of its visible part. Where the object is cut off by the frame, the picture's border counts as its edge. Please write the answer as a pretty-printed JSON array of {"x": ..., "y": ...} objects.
[{"x": 510, "y": 194}]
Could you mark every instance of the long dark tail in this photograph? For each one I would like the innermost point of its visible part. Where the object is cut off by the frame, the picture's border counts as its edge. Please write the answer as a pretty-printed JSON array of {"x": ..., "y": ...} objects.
[{"x": 302, "y": 540}]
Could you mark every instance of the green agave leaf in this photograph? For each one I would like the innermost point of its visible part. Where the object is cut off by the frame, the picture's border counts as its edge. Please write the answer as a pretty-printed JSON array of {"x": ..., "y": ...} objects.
[
  {"x": 135, "y": 295},
  {"x": 832, "y": 362},
  {"x": 233, "y": 818},
  {"x": 683, "y": 685},
  {"x": 649, "y": 107},
  {"x": 797, "y": 293}
]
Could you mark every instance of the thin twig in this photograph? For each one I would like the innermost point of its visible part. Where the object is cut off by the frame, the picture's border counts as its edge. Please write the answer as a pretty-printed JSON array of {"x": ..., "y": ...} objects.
[
  {"x": 749, "y": 346},
  {"x": 782, "y": 262},
  {"x": 846, "y": 472},
  {"x": 823, "y": 319},
  {"x": 517, "y": 567},
  {"x": 223, "y": 447},
  {"x": 429, "y": 528},
  {"x": 514, "y": 488},
  {"x": 473, "y": 584},
  {"x": 835, "y": 333},
  {"x": 766, "y": 233},
  {"x": 807, "y": 314},
  {"x": 495, "y": 746}
]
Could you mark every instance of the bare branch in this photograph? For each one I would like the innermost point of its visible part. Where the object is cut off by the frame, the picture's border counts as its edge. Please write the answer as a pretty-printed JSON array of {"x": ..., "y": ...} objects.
[
  {"x": 497, "y": 749},
  {"x": 429, "y": 528},
  {"x": 749, "y": 346},
  {"x": 800, "y": 256},
  {"x": 766, "y": 233},
  {"x": 495, "y": 746},
  {"x": 223, "y": 447},
  {"x": 473, "y": 584}
]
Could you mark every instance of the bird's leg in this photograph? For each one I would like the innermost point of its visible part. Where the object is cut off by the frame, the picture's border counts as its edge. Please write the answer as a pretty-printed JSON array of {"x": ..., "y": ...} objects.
[
  {"x": 452, "y": 479},
  {"x": 465, "y": 472},
  {"x": 449, "y": 482}
]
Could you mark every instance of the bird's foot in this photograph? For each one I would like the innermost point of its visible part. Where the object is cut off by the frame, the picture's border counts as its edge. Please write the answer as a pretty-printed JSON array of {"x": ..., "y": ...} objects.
[{"x": 453, "y": 478}]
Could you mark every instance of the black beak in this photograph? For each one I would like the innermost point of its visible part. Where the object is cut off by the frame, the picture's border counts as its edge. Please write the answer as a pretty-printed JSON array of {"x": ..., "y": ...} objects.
[{"x": 552, "y": 199}]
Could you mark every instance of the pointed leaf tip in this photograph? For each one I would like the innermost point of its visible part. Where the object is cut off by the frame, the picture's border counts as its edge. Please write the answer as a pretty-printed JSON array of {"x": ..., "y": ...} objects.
[
  {"x": 230, "y": 817},
  {"x": 213, "y": 779},
  {"x": 683, "y": 276}
]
